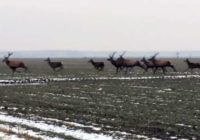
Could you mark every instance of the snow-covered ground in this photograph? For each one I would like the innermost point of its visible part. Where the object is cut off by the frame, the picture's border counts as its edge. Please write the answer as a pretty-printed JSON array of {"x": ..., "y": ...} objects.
[
  {"x": 44, "y": 127},
  {"x": 29, "y": 126},
  {"x": 4, "y": 136}
]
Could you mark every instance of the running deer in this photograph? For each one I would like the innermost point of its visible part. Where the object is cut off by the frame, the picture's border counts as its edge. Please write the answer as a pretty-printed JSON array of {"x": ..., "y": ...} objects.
[
  {"x": 97, "y": 65},
  {"x": 117, "y": 63},
  {"x": 54, "y": 65},
  {"x": 127, "y": 63},
  {"x": 149, "y": 64},
  {"x": 163, "y": 64},
  {"x": 192, "y": 65},
  {"x": 14, "y": 64}
]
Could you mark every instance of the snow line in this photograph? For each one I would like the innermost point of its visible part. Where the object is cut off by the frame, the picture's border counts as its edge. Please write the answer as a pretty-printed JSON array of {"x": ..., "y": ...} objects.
[
  {"x": 20, "y": 131},
  {"x": 79, "y": 134},
  {"x": 39, "y": 81}
]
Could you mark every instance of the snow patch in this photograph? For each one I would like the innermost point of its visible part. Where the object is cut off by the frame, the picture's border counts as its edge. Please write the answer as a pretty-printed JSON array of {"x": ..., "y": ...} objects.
[{"x": 79, "y": 134}]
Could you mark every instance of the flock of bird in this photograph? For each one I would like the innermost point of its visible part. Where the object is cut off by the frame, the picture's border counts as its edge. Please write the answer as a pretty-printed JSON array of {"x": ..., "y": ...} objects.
[{"x": 119, "y": 63}]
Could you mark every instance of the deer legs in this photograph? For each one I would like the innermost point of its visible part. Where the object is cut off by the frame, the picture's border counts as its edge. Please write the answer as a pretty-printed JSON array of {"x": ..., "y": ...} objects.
[
  {"x": 118, "y": 69},
  {"x": 56, "y": 69},
  {"x": 171, "y": 66},
  {"x": 15, "y": 70},
  {"x": 163, "y": 69},
  {"x": 191, "y": 70}
]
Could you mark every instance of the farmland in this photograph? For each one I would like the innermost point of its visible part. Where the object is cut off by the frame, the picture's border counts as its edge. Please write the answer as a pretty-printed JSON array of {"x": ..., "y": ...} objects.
[{"x": 82, "y": 103}]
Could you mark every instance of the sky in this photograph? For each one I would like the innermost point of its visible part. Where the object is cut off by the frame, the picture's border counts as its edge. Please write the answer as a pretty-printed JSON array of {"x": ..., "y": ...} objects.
[{"x": 100, "y": 25}]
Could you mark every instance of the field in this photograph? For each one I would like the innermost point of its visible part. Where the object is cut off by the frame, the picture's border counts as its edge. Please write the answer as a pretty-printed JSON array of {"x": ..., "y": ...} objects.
[{"x": 82, "y": 103}]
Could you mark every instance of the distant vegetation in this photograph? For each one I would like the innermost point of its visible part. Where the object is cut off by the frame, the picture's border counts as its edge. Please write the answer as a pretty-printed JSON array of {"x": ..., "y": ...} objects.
[{"x": 82, "y": 54}]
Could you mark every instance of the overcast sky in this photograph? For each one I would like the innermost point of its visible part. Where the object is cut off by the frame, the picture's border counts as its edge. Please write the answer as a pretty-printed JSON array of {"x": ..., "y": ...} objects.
[{"x": 141, "y": 25}]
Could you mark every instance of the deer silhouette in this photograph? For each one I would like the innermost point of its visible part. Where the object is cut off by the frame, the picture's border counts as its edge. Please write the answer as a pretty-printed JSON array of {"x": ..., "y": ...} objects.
[
  {"x": 192, "y": 65},
  {"x": 116, "y": 63},
  {"x": 163, "y": 64},
  {"x": 14, "y": 64},
  {"x": 54, "y": 65},
  {"x": 97, "y": 65},
  {"x": 149, "y": 64},
  {"x": 129, "y": 64}
]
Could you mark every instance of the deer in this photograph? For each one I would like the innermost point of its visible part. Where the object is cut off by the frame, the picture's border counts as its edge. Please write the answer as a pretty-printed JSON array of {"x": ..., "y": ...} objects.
[
  {"x": 117, "y": 63},
  {"x": 191, "y": 65},
  {"x": 54, "y": 65},
  {"x": 161, "y": 64},
  {"x": 97, "y": 65},
  {"x": 127, "y": 63},
  {"x": 14, "y": 64},
  {"x": 149, "y": 64}
]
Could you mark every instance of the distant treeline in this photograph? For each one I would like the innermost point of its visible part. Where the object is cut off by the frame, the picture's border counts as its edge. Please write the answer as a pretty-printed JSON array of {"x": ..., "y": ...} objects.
[{"x": 89, "y": 54}]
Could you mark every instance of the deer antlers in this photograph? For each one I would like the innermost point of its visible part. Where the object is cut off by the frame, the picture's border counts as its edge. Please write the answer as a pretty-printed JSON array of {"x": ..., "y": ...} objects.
[
  {"x": 112, "y": 55},
  {"x": 154, "y": 56},
  {"x": 123, "y": 54},
  {"x": 10, "y": 53}
]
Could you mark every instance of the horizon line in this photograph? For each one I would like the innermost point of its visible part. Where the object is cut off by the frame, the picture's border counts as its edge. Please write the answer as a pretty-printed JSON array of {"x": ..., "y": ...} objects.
[{"x": 100, "y": 50}]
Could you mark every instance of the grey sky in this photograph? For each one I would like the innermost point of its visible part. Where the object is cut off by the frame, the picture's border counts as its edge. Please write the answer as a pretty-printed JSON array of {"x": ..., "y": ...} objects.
[{"x": 100, "y": 25}]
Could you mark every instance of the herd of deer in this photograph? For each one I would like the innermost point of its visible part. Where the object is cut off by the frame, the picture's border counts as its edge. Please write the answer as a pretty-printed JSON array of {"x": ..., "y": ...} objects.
[
  {"x": 120, "y": 64},
  {"x": 152, "y": 63},
  {"x": 14, "y": 64}
]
